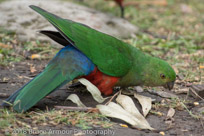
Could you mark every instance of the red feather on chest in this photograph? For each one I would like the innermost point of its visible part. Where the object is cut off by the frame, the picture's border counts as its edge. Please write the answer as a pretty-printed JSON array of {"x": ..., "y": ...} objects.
[{"x": 103, "y": 82}]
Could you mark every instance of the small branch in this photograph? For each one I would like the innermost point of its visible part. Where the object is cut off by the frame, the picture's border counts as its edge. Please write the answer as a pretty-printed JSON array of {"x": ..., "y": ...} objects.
[
  {"x": 196, "y": 94},
  {"x": 4, "y": 95},
  {"x": 3, "y": 82},
  {"x": 23, "y": 124},
  {"x": 190, "y": 113},
  {"x": 201, "y": 121},
  {"x": 89, "y": 109},
  {"x": 113, "y": 97}
]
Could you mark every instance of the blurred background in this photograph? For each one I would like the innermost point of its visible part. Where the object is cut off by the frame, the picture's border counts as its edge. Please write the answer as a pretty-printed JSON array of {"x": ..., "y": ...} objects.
[{"x": 170, "y": 29}]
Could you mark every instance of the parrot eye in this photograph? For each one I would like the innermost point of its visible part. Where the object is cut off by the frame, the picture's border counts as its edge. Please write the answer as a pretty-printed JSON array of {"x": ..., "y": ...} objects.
[{"x": 162, "y": 76}]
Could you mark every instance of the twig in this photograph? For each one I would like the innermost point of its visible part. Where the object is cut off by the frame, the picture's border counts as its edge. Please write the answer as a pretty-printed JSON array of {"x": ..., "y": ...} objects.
[
  {"x": 113, "y": 97},
  {"x": 196, "y": 94},
  {"x": 4, "y": 95},
  {"x": 23, "y": 124},
  {"x": 190, "y": 113},
  {"x": 201, "y": 121},
  {"x": 76, "y": 108},
  {"x": 162, "y": 93},
  {"x": 3, "y": 82}
]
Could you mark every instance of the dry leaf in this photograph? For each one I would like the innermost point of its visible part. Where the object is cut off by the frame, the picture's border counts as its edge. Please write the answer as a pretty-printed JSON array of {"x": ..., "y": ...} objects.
[
  {"x": 6, "y": 79},
  {"x": 171, "y": 113},
  {"x": 2, "y": 45},
  {"x": 127, "y": 103},
  {"x": 146, "y": 103},
  {"x": 116, "y": 111},
  {"x": 32, "y": 69},
  {"x": 169, "y": 119},
  {"x": 139, "y": 89},
  {"x": 93, "y": 90},
  {"x": 162, "y": 93},
  {"x": 75, "y": 99}
]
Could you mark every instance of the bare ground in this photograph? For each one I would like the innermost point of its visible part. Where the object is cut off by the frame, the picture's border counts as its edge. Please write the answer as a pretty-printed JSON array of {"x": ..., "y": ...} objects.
[{"x": 183, "y": 124}]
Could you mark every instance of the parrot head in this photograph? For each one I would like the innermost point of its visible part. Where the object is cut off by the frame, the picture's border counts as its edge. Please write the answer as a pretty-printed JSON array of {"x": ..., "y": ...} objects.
[{"x": 159, "y": 73}]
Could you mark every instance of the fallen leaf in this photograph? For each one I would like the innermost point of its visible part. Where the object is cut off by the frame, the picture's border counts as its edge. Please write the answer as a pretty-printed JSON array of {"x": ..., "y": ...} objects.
[
  {"x": 75, "y": 99},
  {"x": 162, "y": 93},
  {"x": 139, "y": 89},
  {"x": 32, "y": 69},
  {"x": 171, "y": 113},
  {"x": 93, "y": 90},
  {"x": 2, "y": 45},
  {"x": 146, "y": 103},
  {"x": 169, "y": 118},
  {"x": 127, "y": 103},
  {"x": 6, "y": 79},
  {"x": 201, "y": 67},
  {"x": 116, "y": 111}
]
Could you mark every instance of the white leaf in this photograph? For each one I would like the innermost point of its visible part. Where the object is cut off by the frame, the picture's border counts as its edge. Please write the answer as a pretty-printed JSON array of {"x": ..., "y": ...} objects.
[
  {"x": 171, "y": 113},
  {"x": 75, "y": 99},
  {"x": 93, "y": 90},
  {"x": 146, "y": 103},
  {"x": 116, "y": 111},
  {"x": 127, "y": 103}
]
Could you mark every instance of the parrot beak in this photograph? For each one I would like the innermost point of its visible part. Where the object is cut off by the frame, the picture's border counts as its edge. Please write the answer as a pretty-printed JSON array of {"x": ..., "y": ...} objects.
[{"x": 169, "y": 85}]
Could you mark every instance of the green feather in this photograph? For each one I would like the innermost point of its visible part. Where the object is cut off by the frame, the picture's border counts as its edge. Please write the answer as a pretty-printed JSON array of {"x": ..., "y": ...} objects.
[
  {"x": 111, "y": 55},
  {"x": 63, "y": 68},
  {"x": 47, "y": 81}
]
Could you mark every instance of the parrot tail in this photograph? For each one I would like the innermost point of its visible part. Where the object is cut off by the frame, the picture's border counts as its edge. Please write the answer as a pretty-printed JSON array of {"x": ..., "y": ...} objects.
[
  {"x": 67, "y": 65},
  {"x": 43, "y": 84}
]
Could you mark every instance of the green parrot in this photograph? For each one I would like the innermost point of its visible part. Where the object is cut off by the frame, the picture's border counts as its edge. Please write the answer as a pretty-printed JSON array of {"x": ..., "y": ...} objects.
[{"x": 100, "y": 58}]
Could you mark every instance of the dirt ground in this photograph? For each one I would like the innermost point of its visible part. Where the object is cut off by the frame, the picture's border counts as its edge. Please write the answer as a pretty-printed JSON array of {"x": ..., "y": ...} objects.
[{"x": 183, "y": 124}]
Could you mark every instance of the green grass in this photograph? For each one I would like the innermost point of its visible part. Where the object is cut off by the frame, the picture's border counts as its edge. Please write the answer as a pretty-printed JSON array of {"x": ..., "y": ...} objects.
[
  {"x": 9, "y": 120},
  {"x": 11, "y": 50}
]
